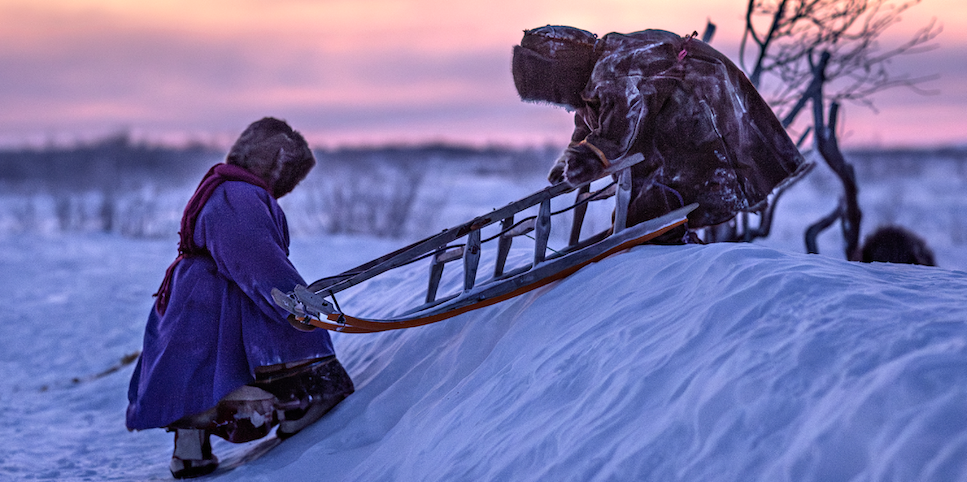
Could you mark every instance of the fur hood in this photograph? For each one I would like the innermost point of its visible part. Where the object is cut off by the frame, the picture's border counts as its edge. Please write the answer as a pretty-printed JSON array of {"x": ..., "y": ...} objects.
[
  {"x": 553, "y": 64},
  {"x": 273, "y": 151}
]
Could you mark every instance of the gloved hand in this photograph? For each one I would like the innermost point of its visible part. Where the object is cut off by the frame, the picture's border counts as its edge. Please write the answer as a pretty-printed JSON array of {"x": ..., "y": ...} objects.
[
  {"x": 556, "y": 176},
  {"x": 578, "y": 164}
]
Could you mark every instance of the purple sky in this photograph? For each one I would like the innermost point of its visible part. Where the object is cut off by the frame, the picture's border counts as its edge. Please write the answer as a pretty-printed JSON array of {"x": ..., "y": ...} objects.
[{"x": 368, "y": 71}]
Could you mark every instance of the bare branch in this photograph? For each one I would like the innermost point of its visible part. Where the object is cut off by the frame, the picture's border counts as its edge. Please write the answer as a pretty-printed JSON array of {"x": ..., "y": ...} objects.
[
  {"x": 848, "y": 29},
  {"x": 709, "y": 32}
]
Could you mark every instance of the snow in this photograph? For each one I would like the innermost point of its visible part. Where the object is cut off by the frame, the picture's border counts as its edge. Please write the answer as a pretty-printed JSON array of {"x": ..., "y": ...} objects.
[{"x": 721, "y": 362}]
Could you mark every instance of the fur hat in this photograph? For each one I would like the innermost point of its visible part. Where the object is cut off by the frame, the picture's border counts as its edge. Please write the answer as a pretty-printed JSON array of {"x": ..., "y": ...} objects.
[
  {"x": 273, "y": 151},
  {"x": 553, "y": 64}
]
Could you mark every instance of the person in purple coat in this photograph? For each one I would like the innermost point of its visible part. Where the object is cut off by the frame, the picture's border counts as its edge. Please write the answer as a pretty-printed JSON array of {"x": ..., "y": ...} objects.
[{"x": 219, "y": 356}]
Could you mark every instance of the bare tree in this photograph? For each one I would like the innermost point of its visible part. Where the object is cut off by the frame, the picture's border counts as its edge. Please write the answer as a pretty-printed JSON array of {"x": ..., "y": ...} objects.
[
  {"x": 824, "y": 131},
  {"x": 784, "y": 39},
  {"x": 824, "y": 52}
]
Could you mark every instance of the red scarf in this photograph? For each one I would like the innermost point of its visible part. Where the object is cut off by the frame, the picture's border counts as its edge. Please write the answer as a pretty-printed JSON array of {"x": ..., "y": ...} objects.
[{"x": 218, "y": 174}]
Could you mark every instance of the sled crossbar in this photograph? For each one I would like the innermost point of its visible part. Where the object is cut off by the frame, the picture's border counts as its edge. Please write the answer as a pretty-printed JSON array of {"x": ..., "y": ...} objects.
[{"x": 309, "y": 305}]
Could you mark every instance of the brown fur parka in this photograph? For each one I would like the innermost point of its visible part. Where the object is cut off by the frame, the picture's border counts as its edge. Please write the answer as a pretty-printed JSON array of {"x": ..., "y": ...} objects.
[{"x": 705, "y": 132}]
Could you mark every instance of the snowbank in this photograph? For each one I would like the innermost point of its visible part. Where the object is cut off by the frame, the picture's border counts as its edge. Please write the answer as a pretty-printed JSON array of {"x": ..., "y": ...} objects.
[{"x": 723, "y": 362}]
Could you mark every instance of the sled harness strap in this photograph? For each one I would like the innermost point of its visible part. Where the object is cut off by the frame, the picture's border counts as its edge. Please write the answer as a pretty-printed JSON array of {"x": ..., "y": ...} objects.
[{"x": 597, "y": 152}]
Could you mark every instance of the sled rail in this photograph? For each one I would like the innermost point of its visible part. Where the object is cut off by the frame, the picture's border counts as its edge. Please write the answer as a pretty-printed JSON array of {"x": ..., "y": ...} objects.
[
  {"x": 309, "y": 305},
  {"x": 407, "y": 254}
]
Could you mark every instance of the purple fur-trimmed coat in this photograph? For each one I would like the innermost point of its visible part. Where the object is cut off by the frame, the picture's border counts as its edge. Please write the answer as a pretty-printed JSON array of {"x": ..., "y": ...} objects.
[{"x": 221, "y": 323}]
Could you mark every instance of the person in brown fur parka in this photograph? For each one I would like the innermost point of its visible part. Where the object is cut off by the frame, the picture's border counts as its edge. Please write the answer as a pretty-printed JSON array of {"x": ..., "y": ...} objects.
[{"x": 705, "y": 132}]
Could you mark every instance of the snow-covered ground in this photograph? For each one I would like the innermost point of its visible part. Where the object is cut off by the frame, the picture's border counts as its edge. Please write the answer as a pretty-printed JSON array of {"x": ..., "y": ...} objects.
[{"x": 721, "y": 362}]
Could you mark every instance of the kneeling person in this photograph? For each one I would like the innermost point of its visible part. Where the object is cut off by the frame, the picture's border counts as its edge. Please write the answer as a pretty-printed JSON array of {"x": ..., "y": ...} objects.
[{"x": 219, "y": 356}]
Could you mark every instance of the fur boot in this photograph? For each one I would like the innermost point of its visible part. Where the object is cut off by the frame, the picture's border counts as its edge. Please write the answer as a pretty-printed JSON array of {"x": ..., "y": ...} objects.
[
  {"x": 193, "y": 454},
  {"x": 305, "y": 392}
]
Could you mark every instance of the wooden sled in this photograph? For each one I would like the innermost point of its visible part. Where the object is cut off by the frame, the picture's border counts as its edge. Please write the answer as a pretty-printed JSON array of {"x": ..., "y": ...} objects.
[{"x": 315, "y": 306}]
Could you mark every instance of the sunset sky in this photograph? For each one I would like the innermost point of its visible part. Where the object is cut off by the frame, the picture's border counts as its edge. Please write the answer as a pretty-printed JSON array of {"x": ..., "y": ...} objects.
[{"x": 371, "y": 71}]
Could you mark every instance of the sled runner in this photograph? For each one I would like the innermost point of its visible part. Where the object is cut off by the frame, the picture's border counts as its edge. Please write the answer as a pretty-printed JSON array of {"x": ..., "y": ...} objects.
[{"x": 316, "y": 306}]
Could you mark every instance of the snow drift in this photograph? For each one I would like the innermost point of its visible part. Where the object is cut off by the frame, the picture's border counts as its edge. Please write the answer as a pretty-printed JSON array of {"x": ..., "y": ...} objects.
[{"x": 722, "y": 362}]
